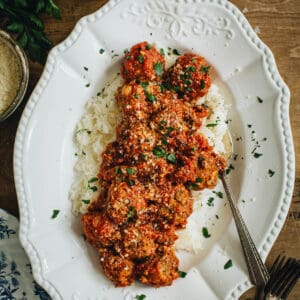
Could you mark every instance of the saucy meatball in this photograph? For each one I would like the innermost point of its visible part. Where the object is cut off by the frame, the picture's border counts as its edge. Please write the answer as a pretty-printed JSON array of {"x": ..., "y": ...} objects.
[
  {"x": 99, "y": 230},
  {"x": 125, "y": 200},
  {"x": 118, "y": 269},
  {"x": 189, "y": 76},
  {"x": 143, "y": 62},
  {"x": 161, "y": 270},
  {"x": 139, "y": 241}
]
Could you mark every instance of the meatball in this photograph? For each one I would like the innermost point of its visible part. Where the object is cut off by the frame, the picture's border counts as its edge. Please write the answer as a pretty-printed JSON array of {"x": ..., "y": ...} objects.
[
  {"x": 139, "y": 99},
  {"x": 189, "y": 76},
  {"x": 182, "y": 205},
  {"x": 199, "y": 165},
  {"x": 176, "y": 205},
  {"x": 139, "y": 241},
  {"x": 143, "y": 62},
  {"x": 118, "y": 269},
  {"x": 99, "y": 230},
  {"x": 136, "y": 137},
  {"x": 125, "y": 200},
  {"x": 177, "y": 117},
  {"x": 161, "y": 270},
  {"x": 209, "y": 165}
]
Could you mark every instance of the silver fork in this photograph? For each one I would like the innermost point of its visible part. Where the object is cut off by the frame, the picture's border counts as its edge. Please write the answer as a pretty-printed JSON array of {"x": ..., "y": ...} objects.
[
  {"x": 258, "y": 273},
  {"x": 284, "y": 274}
]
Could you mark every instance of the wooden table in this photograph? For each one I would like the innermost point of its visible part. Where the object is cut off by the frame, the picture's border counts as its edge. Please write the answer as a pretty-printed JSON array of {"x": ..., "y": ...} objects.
[{"x": 279, "y": 25}]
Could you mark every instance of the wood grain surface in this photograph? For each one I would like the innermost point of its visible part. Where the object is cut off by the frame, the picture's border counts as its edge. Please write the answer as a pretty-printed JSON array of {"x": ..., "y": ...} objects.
[{"x": 279, "y": 25}]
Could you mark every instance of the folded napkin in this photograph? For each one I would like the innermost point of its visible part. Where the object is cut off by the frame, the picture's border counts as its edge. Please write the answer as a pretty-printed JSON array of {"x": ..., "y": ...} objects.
[{"x": 16, "y": 281}]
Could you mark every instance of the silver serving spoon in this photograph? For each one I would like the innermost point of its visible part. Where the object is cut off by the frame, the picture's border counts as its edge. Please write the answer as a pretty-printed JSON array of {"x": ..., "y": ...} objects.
[{"x": 258, "y": 273}]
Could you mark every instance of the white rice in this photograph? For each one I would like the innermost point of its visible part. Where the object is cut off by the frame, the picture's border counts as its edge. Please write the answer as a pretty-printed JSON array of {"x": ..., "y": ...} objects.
[{"x": 97, "y": 128}]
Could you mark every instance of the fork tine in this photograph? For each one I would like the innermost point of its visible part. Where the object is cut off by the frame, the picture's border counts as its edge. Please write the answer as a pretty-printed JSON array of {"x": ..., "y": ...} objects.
[
  {"x": 275, "y": 268},
  {"x": 274, "y": 265},
  {"x": 292, "y": 282},
  {"x": 289, "y": 275},
  {"x": 281, "y": 276}
]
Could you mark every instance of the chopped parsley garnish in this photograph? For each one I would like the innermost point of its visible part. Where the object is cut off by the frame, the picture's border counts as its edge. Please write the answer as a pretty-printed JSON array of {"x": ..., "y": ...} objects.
[
  {"x": 181, "y": 274},
  {"x": 93, "y": 188},
  {"x": 118, "y": 170},
  {"x": 94, "y": 179},
  {"x": 141, "y": 59},
  {"x": 158, "y": 68},
  {"x": 198, "y": 179},
  {"x": 193, "y": 186},
  {"x": 85, "y": 201},
  {"x": 101, "y": 51},
  {"x": 219, "y": 194},
  {"x": 210, "y": 201},
  {"x": 257, "y": 155},
  {"x": 162, "y": 51},
  {"x": 147, "y": 140},
  {"x": 54, "y": 213},
  {"x": 170, "y": 129},
  {"x": 229, "y": 169},
  {"x": 88, "y": 85},
  {"x": 271, "y": 173},
  {"x": 159, "y": 152},
  {"x": 205, "y": 232},
  {"x": 212, "y": 125},
  {"x": 136, "y": 96},
  {"x": 202, "y": 84},
  {"x": 140, "y": 297},
  {"x": 175, "y": 51},
  {"x": 144, "y": 85},
  {"x": 190, "y": 69},
  {"x": 171, "y": 158},
  {"x": 217, "y": 217},
  {"x": 164, "y": 142},
  {"x": 259, "y": 100},
  {"x": 235, "y": 156},
  {"x": 131, "y": 182},
  {"x": 86, "y": 68},
  {"x": 150, "y": 98},
  {"x": 130, "y": 171},
  {"x": 205, "y": 69},
  {"x": 131, "y": 212},
  {"x": 228, "y": 264},
  {"x": 148, "y": 46}
]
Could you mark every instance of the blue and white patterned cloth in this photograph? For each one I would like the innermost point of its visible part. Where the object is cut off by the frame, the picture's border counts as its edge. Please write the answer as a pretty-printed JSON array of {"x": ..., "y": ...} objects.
[{"x": 16, "y": 281}]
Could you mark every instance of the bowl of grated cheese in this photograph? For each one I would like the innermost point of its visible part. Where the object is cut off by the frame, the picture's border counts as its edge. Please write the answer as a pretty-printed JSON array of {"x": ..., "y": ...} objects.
[{"x": 14, "y": 75}]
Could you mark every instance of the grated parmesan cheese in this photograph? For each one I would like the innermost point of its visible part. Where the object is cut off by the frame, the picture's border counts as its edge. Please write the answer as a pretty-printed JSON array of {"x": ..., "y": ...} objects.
[{"x": 10, "y": 75}]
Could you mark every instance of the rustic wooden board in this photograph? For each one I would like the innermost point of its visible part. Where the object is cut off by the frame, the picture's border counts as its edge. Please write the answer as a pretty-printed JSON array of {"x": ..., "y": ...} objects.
[{"x": 279, "y": 25}]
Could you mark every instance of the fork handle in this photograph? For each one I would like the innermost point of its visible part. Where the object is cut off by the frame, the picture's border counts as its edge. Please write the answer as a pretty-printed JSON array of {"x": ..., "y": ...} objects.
[{"x": 256, "y": 268}]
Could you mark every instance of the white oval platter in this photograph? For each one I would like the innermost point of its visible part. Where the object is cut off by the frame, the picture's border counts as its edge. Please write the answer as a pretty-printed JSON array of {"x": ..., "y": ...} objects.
[{"x": 62, "y": 262}]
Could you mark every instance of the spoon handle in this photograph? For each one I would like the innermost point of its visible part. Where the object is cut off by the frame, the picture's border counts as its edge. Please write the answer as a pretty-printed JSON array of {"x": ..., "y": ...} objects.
[{"x": 256, "y": 268}]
